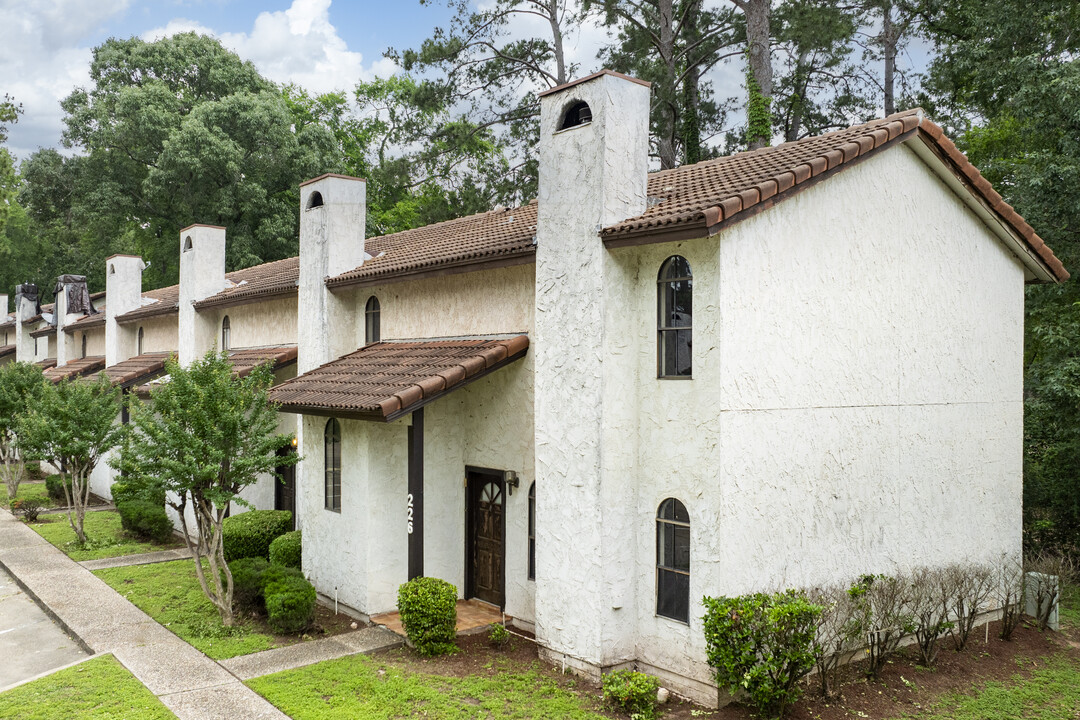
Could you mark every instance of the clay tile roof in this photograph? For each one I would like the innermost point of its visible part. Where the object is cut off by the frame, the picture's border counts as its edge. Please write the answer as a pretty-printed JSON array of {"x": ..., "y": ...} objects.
[
  {"x": 246, "y": 359},
  {"x": 257, "y": 282},
  {"x": 6, "y": 350},
  {"x": 389, "y": 379},
  {"x": 76, "y": 368},
  {"x": 497, "y": 235},
  {"x": 167, "y": 302},
  {"x": 707, "y": 196},
  {"x": 137, "y": 369},
  {"x": 46, "y": 363},
  {"x": 87, "y": 322},
  {"x": 43, "y": 332}
]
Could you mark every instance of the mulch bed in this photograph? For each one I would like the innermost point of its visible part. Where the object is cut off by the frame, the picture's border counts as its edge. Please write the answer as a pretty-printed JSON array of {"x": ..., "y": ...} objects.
[{"x": 903, "y": 688}]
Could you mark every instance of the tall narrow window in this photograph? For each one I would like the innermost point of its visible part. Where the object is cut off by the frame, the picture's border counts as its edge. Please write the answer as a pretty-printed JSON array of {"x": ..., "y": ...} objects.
[
  {"x": 532, "y": 531},
  {"x": 673, "y": 561},
  {"x": 226, "y": 334},
  {"x": 139, "y": 343},
  {"x": 84, "y": 344},
  {"x": 674, "y": 310},
  {"x": 371, "y": 321},
  {"x": 332, "y": 445}
]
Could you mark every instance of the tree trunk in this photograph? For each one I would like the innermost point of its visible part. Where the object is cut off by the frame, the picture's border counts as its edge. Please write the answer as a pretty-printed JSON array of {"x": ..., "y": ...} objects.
[
  {"x": 888, "y": 41},
  {"x": 691, "y": 106},
  {"x": 557, "y": 41},
  {"x": 758, "y": 14},
  {"x": 210, "y": 547},
  {"x": 666, "y": 142},
  {"x": 798, "y": 100}
]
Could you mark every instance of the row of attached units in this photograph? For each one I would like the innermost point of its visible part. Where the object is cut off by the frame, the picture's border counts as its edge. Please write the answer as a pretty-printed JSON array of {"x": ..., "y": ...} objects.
[{"x": 788, "y": 367}]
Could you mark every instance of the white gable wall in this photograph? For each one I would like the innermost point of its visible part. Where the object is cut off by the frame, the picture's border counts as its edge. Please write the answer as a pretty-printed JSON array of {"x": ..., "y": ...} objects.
[{"x": 856, "y": 404}]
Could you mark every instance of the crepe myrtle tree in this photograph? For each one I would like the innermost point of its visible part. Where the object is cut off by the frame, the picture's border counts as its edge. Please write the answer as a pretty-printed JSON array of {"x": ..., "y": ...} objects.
[
  {"x": 20, "y": 386},
  {"x": 205, "y": 436},
  {"x": 73, "y": 426}
]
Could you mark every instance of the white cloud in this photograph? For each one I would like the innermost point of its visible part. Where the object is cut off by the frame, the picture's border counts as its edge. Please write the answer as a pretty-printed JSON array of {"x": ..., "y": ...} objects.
[
  {"x": 297, "y": 45},
  {"x": 41, "y": 61}
]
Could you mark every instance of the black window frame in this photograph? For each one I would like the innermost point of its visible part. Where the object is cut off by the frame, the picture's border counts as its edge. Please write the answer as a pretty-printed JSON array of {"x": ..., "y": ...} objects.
[
  {"x": 667, "y": 326},
  {"x": 532, "y": 532},
  {"x": 84, "y": 345},
  {"x": 332, "y": 465},
  {"x": 139, "y": 342},
  {"x": 672, "y": 580},
  {"x": 372, "y": 321}
]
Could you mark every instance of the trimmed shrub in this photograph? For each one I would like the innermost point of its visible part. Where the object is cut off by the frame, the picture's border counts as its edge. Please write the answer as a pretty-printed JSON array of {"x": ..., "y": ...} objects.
[
  {"x": 34, "y": 473},
  {"x": 290, "y": 602},
  {"x": 145, "y": 519},
  {"x": 54, "y": 485},
  {"x": 286, "y": 549},
  {"x": 428, "y": 608},
  {"x": 248, "y": 580},
  {"x": 128, "y": 490},
  {"x": 29, "y": 508},
  {"x": 249, "y": 534},
  {"x": 632, "y": 692},
  {"x": 763, "y": 644}
]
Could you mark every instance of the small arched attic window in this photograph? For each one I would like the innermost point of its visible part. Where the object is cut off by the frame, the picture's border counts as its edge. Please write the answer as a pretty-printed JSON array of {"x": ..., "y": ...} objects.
[
  {"x": 112, "y": 269},
  {"x": 578, "y": 113},
  {"x": 187, "y": 243},
  {"x": 314, "y": 200}
]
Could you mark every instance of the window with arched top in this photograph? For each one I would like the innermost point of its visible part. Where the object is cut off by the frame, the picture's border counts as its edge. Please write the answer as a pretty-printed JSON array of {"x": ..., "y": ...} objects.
[
  {"x": 673, "y": 561},
  {"x": 675, "y": 307},
  {"x": 332, "y": 454},
  {"x": 139, "y": 343},
  {"x": 578, "y": 113},
  {"x": 226, "y": 334},
  {"x": 532, "y": 531},
  {"x": 371, "y": 321},
  {"x": 314, "y": 200},
  {"x": 187, "y": 243},
  {"x": 84, "y": 344}
]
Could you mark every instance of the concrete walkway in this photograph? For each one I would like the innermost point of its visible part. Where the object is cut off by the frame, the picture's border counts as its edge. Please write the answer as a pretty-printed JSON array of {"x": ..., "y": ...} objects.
[
  {"x": 142, "y": 559},
  {"x": 290, "y": 657},
  {"x": 190, "y": 684}
]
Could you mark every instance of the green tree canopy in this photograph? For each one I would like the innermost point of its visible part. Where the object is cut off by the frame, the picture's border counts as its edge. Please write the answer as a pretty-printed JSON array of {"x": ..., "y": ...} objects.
[{"x": 21, "y": 385}]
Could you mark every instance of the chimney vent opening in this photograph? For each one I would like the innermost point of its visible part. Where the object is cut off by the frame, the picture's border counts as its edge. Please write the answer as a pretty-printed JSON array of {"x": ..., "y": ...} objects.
[
  {"x": 578, "y": 113},
  {"x": 112, "y": 269},
  {"x": 187, "y": 243},
  {"x": 314, "y": 200}
]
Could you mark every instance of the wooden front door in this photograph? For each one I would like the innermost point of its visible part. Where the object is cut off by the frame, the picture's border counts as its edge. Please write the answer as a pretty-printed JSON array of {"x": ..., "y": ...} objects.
[
  {"x": 285, "y": 489},
  {"x": 485, "y": 537}
]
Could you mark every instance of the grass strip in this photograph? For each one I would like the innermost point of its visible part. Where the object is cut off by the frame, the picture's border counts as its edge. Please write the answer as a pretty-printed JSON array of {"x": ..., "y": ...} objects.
[{"x": 105, "y": 537}]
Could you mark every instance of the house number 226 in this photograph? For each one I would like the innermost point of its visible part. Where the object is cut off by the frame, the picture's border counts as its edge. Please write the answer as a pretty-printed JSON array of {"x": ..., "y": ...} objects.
[{"x": 409, "y": 512}]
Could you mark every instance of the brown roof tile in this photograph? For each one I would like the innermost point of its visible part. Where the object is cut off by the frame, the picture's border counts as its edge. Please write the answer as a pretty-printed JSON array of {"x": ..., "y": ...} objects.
[
  {"x": 168, "y": 299},
  {"x": 46, "y": 363},
  {"x": 6, "y": 350},
  {"x": 700, "y": 196},
  {"x": 257, "y": 282},
  {"x": 43, "y": 332},
  {"x": 245, "y": 360},
  {"x": 389, "y": 379},
  {"x": 90, "y": 321},
  {"x": 76, "y": 368},
  {"x": 137, "y": 369}
]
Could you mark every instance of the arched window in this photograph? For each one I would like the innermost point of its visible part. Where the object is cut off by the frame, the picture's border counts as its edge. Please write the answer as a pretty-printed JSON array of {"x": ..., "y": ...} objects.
[
  {"x": 673, "y": 561},
  {"x": 578, "y": 113},
  {"x": 187, "y": 243},
  {"x": 332, "y": 448},
  {"x": 675, "y": 310},
  {"x": 314, "y": 200},
  {"x": 84, "y": 344},
  {"x": 226, "y": 334},
  {"x": 138, "y": 343},
  {"x": 532, "y": 531},
  {"x": 371, "y": 321}
]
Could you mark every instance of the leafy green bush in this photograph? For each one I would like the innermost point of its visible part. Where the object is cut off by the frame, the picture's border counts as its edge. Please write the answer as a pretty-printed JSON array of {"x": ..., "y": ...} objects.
[
  {"x": 29, "y": 508},
  {"x": 54, "y": 485},
  {"x": 428, "y": 608},
  {"x": 763, "y": 644},
  {"x": 248, "y": 581},
  {"x": 286, "y": 550},
  {"x": 632, "y": 692},
  {"x": 127, "y": 490},
  {"x": 249, "y": 534},
  {"x": 145, "y": 519},
  {"x": 498, "y": 635},
  {"x": 33, "y": 471},
  {"x": 290, "y": 602}
]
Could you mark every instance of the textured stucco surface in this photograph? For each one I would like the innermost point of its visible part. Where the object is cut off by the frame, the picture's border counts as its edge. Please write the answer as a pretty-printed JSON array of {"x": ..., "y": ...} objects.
[
  {"x": 123, "y": 286},
  {"x": 95, "y": 341},
  {"x": 202, "y": 274},
  {"x": 264, "y": 323},
  {"x": 160, "y": 334}
]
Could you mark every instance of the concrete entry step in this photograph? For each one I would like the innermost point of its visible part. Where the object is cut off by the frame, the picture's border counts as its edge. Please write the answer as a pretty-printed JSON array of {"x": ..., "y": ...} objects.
[{"x": 472, "y": 616}]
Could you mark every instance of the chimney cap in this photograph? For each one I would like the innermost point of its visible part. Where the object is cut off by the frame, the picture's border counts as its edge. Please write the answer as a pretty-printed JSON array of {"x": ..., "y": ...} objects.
[
  {"x": 202, "y": 225},
  {"x": 587, "y": 78},
  {"x": 331, "y": 175}
]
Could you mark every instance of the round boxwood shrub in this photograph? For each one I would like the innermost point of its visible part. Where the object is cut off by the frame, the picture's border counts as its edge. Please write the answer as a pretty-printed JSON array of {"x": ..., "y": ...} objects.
[
  {"x": 285, "y": 550},
  {"x": 248, "y": 580},
  {"x": 632, "y": 692},
  {"x": 249, "y": 534},
  {"x": 428, "y": 608},
  {"x": 54, "y": 485},
  {"x": 145, "y": 519},
  {"x": 290, "y": 602}
]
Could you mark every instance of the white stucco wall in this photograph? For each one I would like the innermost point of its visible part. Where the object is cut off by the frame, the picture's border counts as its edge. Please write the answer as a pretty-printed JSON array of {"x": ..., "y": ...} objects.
[
  {"x": 159, "y": 333},
  {"x": 856, "y": 401},
  {"x": 95, "y": 342},
  {"x": 258, "y": 324}
]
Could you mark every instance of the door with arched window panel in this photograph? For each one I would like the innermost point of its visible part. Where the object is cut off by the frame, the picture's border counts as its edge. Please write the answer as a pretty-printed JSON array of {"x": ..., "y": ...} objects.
[{"x": 485, "y": 546}]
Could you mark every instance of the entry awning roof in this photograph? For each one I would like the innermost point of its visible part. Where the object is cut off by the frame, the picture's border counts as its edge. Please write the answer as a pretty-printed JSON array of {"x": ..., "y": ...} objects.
[
  {"x": 247, "y": 359},
  {"x": 138, "y": 369},
  {"x": 390, "y": 379},
  {"x": 76, "y": 368},
  {"x": 7, "y": 350}
]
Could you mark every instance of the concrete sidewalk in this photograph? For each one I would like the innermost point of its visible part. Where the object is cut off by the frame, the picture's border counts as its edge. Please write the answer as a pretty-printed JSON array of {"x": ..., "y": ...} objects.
[
  {"x": 190, "y": 684},
  {"x": 365, "y": 640},
  {"x": 141, "y": 559}
]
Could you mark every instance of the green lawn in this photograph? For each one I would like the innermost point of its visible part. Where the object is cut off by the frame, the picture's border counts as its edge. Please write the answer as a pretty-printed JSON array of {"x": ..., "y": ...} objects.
[
  {"x": 1069, "y": 607},
  {"x": 105, "y": 537},
  {"x": 170, "y": 593},
  {"x": 98, "y": 688},
  {"x": 361, "y": 687},
  {"x": 1050, "y": 692},
  {"x": 33, "y": 490}
]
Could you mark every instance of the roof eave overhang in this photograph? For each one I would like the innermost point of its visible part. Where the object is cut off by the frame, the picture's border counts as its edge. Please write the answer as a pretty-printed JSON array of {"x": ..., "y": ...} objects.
[
  {"x": 130, "y": 318},
  {"x": 524, "y": 257},
  {"x": 234, "y": 300},
  {"x": 43, "y": 332}
]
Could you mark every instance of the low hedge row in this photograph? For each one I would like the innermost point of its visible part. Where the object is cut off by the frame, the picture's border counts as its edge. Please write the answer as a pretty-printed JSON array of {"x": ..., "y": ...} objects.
[
  {"x": 249, "y": 534},
  {"x": 282, "y": 592},
  {"x": 286, "y": 549},
  {"x": 145, "y": 519}
]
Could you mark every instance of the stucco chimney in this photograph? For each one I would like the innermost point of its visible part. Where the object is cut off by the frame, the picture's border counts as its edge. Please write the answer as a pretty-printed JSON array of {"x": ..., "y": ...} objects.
[
  {"x": 72, "y": 303},
  {"x": 333, "y": 211},
  {"x": 26, "y": 307},
  {"x": 202, "y": 274},
  {"x": 123, "y": 293},
  {"x": 594, "y": 153}
]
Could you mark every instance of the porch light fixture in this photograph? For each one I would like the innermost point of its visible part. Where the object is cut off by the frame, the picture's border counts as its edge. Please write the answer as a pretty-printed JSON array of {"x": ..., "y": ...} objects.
[
  {"x": 510, "y": 479},
  {"x": 294, "y": 441}
]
